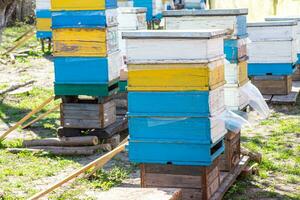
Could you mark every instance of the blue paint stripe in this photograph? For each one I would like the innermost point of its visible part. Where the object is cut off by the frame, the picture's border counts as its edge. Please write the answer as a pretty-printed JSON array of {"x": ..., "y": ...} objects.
[
  {"x": 79, "y": 19},
  {"x": 43, "y": 34},
  {"x": 76, "y": 70},
  {"x": 278, "y": 69},
  {"x": 43, "y": 13}
]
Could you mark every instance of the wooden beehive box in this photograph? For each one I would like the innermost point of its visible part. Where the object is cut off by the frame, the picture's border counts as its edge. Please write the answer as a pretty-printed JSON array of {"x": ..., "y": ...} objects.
[
  {"x": 85, "y": 19},
  {"x": 88, "y": 116},
  {"x": 273, "y": 85},
  {"x": 76, "y": 42},
  {"x": 196, "y": 182},
  {"x": 232, "y": 20},
  {"x": 232, "y": 154},
  {"x": 297, "y": 31},
  {"x": 205, "y": 103},
  {"x": 43, "y": 23},
  {"x": 273, "y": 42},
  {"x": 234, "y": 98},
  {"x": 178, "y": 140},
  {"x": 236, "y": 50},
  {"x": 236, "y": 73},
  {"x": 130, "y": 18},
  {"x": 57, "y": 5},
  {"x": 165, "y": 47},
  {"x": 80, "y": 70},
  {"x": 154, "y": 7},
  {"x": 176, "y": 77}
]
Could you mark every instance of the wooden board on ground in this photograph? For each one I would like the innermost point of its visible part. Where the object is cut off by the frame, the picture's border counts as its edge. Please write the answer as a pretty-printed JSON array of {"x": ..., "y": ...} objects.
[
  {"x": 227, "y": 179},
  {"x": 268, "y": 98},
  {"x": 290, "y": 98},
  {"x": 120, "y": 193}
]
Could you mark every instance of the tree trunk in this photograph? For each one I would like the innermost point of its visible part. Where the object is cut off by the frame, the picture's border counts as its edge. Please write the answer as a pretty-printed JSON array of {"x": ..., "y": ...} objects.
[{"x": 6, "y": 9}]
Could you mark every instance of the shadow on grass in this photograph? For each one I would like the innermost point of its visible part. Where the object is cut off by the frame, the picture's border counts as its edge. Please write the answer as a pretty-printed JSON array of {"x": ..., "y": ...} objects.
[
  {"x": 46, "y": 127},
  {"x": 288, "y": 109},
  {"x": 244, "y": 189}
]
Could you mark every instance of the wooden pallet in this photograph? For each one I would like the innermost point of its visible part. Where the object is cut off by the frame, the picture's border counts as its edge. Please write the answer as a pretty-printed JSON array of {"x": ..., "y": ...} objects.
[
  {"x": 228, "y": 178},
  {"x": 289, "y": 99}
]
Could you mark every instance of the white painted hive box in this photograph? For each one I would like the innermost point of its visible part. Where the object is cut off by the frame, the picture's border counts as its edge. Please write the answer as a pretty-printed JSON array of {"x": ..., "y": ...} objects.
[
  {"x": 43, "y": 4},
  {"x": 132, "y": 18},
  {"x": 163, "y": 46},
  {"x": 297, "y": 19},
  {"x": 272, "y": 42},
  {"x": 234, "y": 99},
  {"x": 232, "y": 20}
]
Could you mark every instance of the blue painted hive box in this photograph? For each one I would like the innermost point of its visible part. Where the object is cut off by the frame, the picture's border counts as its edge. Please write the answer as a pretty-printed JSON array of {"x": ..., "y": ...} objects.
[
  {"x": 154, "y": 8},
  {"x": 181, "y": 140},
  {"x": 278, "y": 69},
  {"x": 235, "y": 49},
  {"x": 43, "y": 24},
  {"x": 84, "y": 19},
  {"x": 204, "y": 104}
]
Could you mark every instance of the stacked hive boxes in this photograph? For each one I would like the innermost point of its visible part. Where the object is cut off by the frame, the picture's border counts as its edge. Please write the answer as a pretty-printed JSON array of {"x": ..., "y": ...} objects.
[
  {"x": 235, "y": 44},
  {"x": 43, "y": 21},
  {"x": 296, "y": 76},
  {"x": 129, "y": 19},
  {"x": 175, "y": 93},
  {"x": 272, "y": 55},
  {"x": 154, "y": 8},
  {"x": 87, "y": 61}
]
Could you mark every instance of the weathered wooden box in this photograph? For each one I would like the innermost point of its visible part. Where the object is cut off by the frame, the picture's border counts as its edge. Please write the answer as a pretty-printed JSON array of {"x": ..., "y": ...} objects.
[
  {"x": 273, "y": 42},
  {"x": 154, "y": 8},
  {"x": 177, "y": 103},
  {"x": 57, "y": 5},
  {"x": 236, "y": 73},
  {"x": 80, "y": 70},
  {"x": 43, "y": 4},
  {"x": 85, "y": 42},
  {"x": 273, "y": 85},
  {"x": 236, "y": 50},
  {"x": 296, "y": 75},
  {"x": 85, "y": 19},
  {"x": 232, "y": 154},
  {"x": 87, "y": 116},
  {"x": 176, "y": 77},
  {"x": 161, "y": 46},
  {"x": 196, "y": 182},
  {"x": 232, "y": 20},
  {"x": 234, "y": 98},
  {"x": 297, "y": 31}
]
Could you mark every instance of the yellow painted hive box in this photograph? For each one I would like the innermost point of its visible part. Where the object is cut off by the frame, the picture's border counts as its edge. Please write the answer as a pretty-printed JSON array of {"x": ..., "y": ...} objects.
[
  {"x": 176, "y": 77},
  {"x": 43, "y": 24},
  {"x": 243, "y": 73},
  {"x": 85, "y": 42},
  {"x": 57, "y": 5}
]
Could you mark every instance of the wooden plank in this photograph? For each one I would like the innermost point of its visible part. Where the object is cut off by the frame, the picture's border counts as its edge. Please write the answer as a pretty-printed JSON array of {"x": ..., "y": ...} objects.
[
  {"x": 98, "y": 163},
  {"x": 229, "y": 179},
  {"x": 125, "y": 193},
  {"x": 290, "y": 98},
  {"x": 273, "y": 85}
]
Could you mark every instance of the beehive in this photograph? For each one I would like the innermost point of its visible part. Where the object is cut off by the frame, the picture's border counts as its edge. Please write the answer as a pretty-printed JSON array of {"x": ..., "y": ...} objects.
[
  {"x": 154, "y": 8},
  {"x": 174, "y": 96},
  {"x": 273, "y": 50},
  {"x": 43, "y": 19},
  {"x": 59, "y": 5}
]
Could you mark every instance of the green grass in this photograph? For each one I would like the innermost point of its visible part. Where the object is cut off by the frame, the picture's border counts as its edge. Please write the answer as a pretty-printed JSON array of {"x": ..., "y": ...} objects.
[
  {"x": 11, "y": 34},
  {"x": 280, "y": 159}
]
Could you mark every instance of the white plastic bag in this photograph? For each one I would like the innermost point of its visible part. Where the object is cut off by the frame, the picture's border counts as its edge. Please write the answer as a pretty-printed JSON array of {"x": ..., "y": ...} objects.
[
  {"x": 233, "y": 122},
  {"x": 256, "y": 100}
]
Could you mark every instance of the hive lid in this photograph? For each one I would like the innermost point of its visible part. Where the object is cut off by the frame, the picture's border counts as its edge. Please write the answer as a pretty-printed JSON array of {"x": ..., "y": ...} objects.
[
  {"x": 212, "y": 12},
  {"x": 287, "y": 18},
  {"x": 168, "y": 34},
  {"x": 132, "y": 10},
  {"x": 272, "y": 23}
]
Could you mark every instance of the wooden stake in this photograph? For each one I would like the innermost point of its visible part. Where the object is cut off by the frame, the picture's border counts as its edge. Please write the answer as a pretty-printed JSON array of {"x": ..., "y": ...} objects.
[
  {"x": 2, "y": 137},
  {"x": 41, "y": 116},
  {"x": 100, "y": 162}
]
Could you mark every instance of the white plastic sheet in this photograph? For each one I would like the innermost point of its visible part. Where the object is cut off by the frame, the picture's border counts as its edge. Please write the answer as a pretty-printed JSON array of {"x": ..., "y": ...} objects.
[
  {"x": 256, "y": 100},
  {"x": 233, "y": 121}
]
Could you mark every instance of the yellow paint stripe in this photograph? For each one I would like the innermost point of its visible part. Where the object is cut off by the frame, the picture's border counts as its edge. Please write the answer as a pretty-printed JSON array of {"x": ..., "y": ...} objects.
[
  {"x": 43, "y": 24},
  {"x": 72, "y": 34},
  {"x": 77, "y": 5}
]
